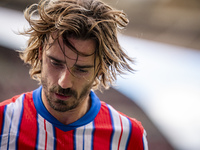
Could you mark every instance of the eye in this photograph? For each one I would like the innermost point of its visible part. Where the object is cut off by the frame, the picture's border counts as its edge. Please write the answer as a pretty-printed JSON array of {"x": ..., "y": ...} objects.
[
  {"x": 56, "y": 64},
  {"x": 81, "y": 70},
  {"x": 78, "y": 70}
]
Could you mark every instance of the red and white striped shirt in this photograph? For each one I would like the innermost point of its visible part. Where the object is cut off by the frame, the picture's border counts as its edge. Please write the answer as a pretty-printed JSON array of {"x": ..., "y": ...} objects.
[{"x": 26, "y": 124}]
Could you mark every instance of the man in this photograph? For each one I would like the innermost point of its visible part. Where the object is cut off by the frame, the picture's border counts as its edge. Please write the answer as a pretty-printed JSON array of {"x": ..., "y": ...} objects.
[{"x": 72, "y": 49}]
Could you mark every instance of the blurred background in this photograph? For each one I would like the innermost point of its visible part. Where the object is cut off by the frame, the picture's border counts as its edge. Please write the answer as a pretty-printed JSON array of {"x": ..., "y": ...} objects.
[{"x": 164, "y": 93}]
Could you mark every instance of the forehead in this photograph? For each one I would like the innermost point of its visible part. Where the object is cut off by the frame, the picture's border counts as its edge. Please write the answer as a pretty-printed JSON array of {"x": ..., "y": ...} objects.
[{"x": 79, "y": 50}]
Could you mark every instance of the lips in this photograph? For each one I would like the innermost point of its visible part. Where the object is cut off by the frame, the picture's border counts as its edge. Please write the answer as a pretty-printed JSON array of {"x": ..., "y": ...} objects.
[{"x": 62, "y": 97}]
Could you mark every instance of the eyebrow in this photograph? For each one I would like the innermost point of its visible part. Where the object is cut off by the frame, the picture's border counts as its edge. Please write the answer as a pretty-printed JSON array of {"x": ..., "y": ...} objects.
[{"x": 75, "y": 65}]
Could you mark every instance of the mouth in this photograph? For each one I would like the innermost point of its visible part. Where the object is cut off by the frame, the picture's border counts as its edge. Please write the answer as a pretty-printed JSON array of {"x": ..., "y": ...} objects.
[{"x": 62, "y": 97}]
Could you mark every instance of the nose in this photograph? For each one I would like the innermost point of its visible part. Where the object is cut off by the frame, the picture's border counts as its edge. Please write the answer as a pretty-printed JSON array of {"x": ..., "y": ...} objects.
[{"x": 65, "y": 79}]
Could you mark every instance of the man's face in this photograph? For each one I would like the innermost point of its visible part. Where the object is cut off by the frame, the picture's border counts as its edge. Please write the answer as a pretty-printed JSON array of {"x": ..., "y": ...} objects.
[{"x": 66, "y": 77}]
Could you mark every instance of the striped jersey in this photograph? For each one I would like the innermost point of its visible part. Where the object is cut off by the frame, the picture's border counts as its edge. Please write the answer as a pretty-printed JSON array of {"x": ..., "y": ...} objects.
[{"x": 25, "y": 124}]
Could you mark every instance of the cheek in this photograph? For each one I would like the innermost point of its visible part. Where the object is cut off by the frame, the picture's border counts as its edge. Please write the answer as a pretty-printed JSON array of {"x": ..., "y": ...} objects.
[
  {"x": 80, "y": 84},
  {"x": 48, "y": 73}
]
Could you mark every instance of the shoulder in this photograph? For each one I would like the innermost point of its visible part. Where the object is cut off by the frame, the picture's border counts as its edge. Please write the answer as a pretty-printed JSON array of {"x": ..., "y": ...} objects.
[
  {"x": 13, "y": 106},
  {"x": 8, "y": 101},
  {"x": 15, "y": 99},
  {"x": 114, "y": 114},
  {"x": 128, "y": 127}
]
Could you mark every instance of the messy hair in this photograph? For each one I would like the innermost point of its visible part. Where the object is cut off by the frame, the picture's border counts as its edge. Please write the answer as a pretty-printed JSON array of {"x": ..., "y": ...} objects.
[{"x": 82, "y": 19}]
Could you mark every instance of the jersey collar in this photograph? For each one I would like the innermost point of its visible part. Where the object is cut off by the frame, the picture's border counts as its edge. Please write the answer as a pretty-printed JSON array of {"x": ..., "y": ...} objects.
[{"x": 87, "y": 118}]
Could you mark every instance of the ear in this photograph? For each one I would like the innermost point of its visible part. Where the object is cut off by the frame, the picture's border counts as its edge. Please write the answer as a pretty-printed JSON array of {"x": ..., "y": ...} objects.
[{"x": 40, "y": 53}]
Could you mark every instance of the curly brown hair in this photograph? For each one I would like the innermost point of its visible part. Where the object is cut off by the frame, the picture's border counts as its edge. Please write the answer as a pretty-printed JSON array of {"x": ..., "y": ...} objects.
[{"x": 83, "y": 19}]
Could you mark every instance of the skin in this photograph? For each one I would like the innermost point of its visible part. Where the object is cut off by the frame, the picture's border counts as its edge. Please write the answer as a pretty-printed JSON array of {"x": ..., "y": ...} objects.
[{"x": 67, "y": 78}]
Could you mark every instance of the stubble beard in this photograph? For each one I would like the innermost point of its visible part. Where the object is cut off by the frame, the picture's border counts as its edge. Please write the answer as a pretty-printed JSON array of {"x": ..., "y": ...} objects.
[{"x": 60, "y": 105}]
